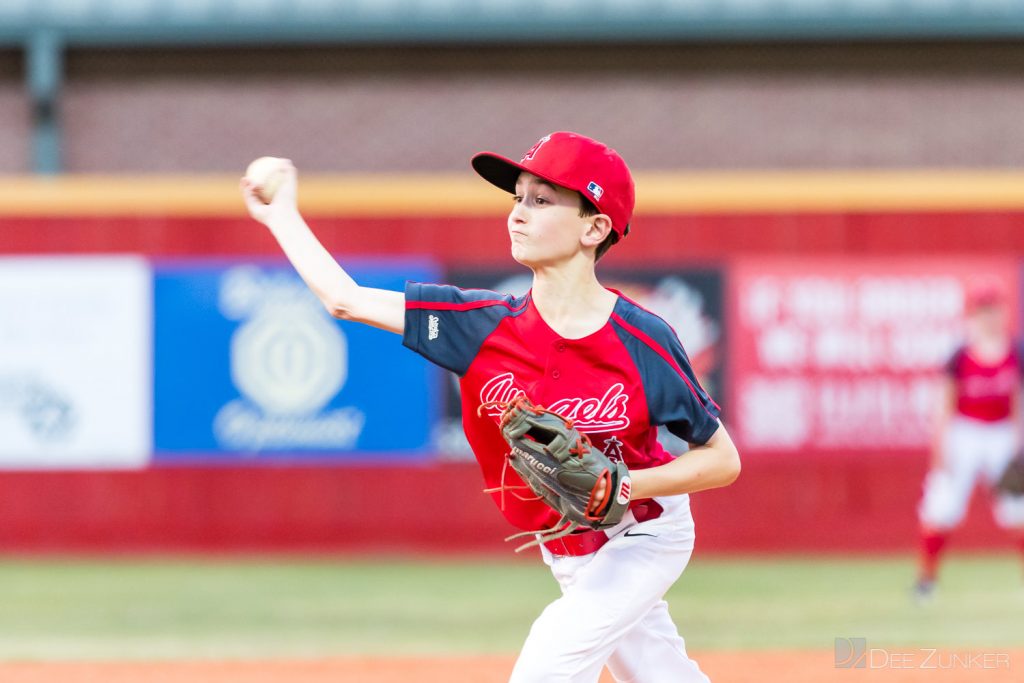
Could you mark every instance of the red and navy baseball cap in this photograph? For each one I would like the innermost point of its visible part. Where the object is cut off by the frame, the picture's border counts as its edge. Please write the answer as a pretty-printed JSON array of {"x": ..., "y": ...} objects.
[
  {"x": 575, "y": 162},
  {"x": 985, "y": 292}
]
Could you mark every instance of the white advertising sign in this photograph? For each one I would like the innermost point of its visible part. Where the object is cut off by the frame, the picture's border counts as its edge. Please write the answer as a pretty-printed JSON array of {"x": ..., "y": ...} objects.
[{"x": 75, "y": 362}]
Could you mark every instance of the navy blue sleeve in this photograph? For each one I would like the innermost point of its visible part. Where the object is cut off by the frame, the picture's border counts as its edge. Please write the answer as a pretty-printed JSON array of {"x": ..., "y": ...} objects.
[
  {"x": 952, "y": 366},
  {"x": 447, "y": 325},
  {"x": 674, "y": 396}
]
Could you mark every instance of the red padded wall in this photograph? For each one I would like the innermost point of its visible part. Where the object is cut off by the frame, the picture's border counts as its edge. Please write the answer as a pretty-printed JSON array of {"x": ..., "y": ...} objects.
[
  {"x": 807, "y": 503},
  {"x": 778, "y": 504},
  {"x": 660, "y": 239}
]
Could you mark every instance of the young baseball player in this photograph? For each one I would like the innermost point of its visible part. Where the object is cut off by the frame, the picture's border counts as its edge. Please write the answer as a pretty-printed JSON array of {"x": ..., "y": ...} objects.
[
  {"x": 978, "y": 430},
  {"x": 590, "y": 354}
]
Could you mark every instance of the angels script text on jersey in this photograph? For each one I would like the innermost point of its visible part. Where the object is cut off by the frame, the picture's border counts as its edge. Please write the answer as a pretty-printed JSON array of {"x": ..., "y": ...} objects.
[{"x": 604, "y": 414}]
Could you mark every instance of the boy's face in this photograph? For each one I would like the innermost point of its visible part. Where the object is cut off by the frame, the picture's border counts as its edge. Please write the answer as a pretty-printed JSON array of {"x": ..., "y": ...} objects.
[
  {"x": 545, "y": 224},
  {"x": 989, "y": 320}
]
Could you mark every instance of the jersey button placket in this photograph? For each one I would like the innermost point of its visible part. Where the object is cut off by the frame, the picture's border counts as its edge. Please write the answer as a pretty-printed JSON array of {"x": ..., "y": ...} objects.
[{"x": 560, "y": 346}]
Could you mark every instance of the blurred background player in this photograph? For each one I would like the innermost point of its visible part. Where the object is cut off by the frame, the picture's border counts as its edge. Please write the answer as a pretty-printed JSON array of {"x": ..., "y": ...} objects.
[{"x": 978, "y": 430}]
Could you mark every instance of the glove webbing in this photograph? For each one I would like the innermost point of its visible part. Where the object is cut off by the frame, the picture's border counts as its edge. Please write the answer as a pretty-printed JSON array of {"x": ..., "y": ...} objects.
[{"x": 523, "y": 403}]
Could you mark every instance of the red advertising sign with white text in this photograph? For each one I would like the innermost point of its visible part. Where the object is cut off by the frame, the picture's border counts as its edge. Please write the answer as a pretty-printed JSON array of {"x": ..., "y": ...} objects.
[{"x": 841, "y": 354}]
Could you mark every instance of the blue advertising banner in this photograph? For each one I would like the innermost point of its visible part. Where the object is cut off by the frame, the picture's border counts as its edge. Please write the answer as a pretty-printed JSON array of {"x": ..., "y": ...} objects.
[{"x": 250, "y": 367}]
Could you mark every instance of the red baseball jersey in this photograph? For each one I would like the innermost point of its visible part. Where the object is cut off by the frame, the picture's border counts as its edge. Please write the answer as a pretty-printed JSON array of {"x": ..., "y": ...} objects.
[
  {"x": 985, "y": 392},
  {"x": 618, "y": 384}
]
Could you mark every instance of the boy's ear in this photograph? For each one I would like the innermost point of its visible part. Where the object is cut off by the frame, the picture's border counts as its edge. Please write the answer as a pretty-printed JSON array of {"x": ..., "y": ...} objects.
[{"x": 598, "y": 228}]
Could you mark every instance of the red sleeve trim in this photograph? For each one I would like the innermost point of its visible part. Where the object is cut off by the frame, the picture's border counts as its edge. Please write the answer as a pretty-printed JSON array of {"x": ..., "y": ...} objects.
[
  {"x": 464, "y": 306},
  {"x": 623, "y": 296},
  {"x": 658, "y": 349}
]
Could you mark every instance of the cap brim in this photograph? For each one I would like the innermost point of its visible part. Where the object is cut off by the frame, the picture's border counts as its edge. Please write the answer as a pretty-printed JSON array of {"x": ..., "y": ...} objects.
[
  {"x": 503, "y": 173},
  {"x": 497, "y": 170}
]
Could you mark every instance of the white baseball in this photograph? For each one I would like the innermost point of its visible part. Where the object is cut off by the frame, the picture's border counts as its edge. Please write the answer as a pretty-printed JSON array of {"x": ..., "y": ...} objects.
[{"x": 266, "y": 174}]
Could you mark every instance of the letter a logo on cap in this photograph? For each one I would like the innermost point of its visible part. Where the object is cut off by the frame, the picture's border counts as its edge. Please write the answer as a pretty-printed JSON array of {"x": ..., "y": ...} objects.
[
  {"x": 533, "y": 150},
  {"x": 572, "y": 161}
]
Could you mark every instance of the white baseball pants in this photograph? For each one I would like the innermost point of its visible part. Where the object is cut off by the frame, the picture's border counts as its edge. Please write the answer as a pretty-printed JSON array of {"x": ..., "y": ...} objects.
[
  {"x": 973, "y": 450},
  {"x": 611, "y": 610}
]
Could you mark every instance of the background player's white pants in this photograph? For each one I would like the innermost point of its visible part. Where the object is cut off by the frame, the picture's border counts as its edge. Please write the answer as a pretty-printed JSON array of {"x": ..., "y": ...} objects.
[
  {"x": 611, "y": 609},
  {"x": 972, "y": 450}
]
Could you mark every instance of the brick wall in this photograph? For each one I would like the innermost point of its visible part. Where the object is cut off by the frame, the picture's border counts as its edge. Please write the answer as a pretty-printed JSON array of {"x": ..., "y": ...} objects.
[
  {"x": 14, "y": 115},
  {"x": 865, "y": 106}
]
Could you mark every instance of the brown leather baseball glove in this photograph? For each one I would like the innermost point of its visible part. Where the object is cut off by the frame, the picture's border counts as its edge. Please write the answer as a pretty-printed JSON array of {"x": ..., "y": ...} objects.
[{"x": 563, "y": 468}]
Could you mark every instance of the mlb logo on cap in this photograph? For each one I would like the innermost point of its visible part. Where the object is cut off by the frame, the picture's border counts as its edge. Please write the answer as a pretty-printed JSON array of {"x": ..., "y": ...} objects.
[{"x": 595, "y": 190}]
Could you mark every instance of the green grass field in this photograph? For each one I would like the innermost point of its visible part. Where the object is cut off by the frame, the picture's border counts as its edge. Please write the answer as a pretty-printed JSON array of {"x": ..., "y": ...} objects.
[{"x": 260, "y": 608}]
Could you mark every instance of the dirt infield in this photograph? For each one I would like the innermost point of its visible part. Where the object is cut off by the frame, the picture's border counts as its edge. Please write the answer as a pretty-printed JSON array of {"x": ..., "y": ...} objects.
[{"x": 722, "y": 667}]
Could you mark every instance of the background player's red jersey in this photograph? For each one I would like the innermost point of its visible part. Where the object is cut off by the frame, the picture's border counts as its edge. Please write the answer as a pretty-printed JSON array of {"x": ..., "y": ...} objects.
[
  {"x": 618, "y": 384},
  {"x": 985, "y": 391}
]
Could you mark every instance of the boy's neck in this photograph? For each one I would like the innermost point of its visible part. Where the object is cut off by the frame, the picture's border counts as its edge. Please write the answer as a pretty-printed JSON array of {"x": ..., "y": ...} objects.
[
  {"x": 989, "y": 348},
  {"x": 571, "y": 300}
]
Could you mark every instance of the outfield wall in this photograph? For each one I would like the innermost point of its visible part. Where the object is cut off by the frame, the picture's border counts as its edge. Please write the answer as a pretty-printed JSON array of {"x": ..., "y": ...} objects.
[{"x": 858, "y": 283}]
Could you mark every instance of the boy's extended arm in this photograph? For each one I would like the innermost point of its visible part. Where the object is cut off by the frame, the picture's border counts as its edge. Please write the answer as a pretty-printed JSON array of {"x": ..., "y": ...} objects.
[
  {"x": 703, "y": 467},
  {"x": 342, "y": 296},
  {"x": 945, "y": 408}
]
